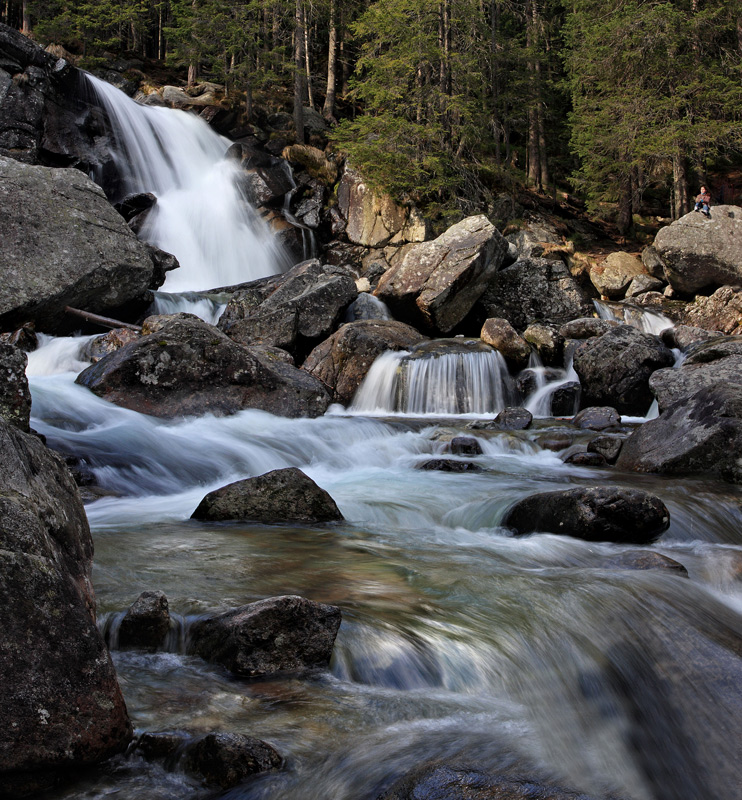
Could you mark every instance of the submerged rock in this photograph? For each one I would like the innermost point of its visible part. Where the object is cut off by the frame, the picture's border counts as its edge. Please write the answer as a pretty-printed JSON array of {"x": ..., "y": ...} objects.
[
  {"x": 226, "y": 759},
  {"x": 188, "y": 367},
  {"x": 61, "y": 705},
  {"x": 283, "y": 495},
  {"x": 450, "y": 465},
  {"x": 280, "y": 634},
  {"x": 607, "y": 514},
  {"x": 646, "y": 559},
  {"x": 146, "y": 623}
]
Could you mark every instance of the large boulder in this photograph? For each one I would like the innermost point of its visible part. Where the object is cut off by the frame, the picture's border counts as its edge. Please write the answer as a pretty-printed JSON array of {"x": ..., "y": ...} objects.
[
  {"x": 280, "y": 634},
  {"x": 80, "y": 253},
  {"x": 534, "y": 290},
  {"x": 604, "y": 514},
  {"x": 15, "y": 397},
  {"x": 282, "y": 495},
  {"x": 501, "y": 335},
  {"x": 721, "y": 311},
  {"x": 189, "y": 367},
  {"x": 698, "y": 434},
  {"x": 437, "y": 283},
  {"x": 715, "y": 361},
  {"x": 614, "y": 369},
  {"x": 343, "y": 361},
  {"x": 60, "y": 706},
  {"x": 373, "y": 219},
  {"x": 702, "y": 253},
  {"x": 295, "y": 310},
  {"x": 614, "y": 275}
]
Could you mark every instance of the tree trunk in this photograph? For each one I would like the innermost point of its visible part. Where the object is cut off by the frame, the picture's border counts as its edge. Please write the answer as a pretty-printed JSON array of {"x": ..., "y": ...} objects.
[
  {"x": 328, "y": 109},
  {"x": 193, "y": 66},
  {"x": 533, "y": 170},
  {"x": 299, "y": 71},
  {"x": 307, "y": 57},
  {"x": 26, "y": 16},
  {"x": 625, "y": 216},
  {"x": 681, "y": 193},
  {"x": 533, "y": 175},
  {"x": 493, "y": 78}
]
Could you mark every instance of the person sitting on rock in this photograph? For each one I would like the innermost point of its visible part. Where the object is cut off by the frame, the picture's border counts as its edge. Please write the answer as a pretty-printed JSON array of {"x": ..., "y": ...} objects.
[{"x": 703, "y": 201}]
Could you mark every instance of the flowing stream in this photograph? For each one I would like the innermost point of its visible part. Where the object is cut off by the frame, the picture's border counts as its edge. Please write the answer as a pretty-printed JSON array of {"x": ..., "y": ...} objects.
[{"x": 459, "y": 643}]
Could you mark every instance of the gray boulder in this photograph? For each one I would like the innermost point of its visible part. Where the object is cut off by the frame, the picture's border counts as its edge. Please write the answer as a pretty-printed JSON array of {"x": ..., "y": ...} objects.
[
  {"x": 190, "y": 368},
  {"x": 586, "y": 327},
  {"x": 80, "y": 253},
  {"x": 61, "y": 706},
  {"x": 547, "y": 341},
  {"x": 280, "y": 634},
  {"x": 613, "y": 276},
  {"x": 697, "y": 434},
  {"x": 605, "y": 514},
  {"x": 343, "y": 360},
  {"x": 282, "y": 495},
  {"x": 15, "y": 396},
  {"x": 597, "y": 418},
  {"x": 614, "y": 369},
  {"x": 700, "y": 253},
  {"x": 436, "y": 284},
  {"x": 295, "y": 310},
  {"x": 501, "y": 335},
  {"x": 534, "y": 290}
]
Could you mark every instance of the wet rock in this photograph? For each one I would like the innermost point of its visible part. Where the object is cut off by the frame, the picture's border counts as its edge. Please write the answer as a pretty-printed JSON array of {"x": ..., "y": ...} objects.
[
  {"x": 82, "y": 253},
  {"x": 722, "y": 311},
  {"x": 135, "y": 204},
  {"x": 700, "y": 253},
  {"x": 366, "y": 306},
  {"x": 226, "y": 759},
  {"x": 501, "y": 335},
  {"x": 513, "y": 418},
  {"x": 101, "y": 346},
  {"x": 533, "y": 290},
  {"x": 162, "y": 745},
  {"x": 605, "y": 514},
  {"x": 555, "y": 442},
  {"x": 612, "y": 277},
  {"x": 465, "y": 446},
  {"x": 615, "y": 369},
  {"x": 439, "y": 782},
  {"x": 685, "y": 336},
  {"x": 607, "y": 446},
  {"x": 343, "y": 361},
  {"x": 697, "y": 434},
  {"x": 190, "y": 368},
  {"x": 15, "y": 396},
  {"x": 565, "y": 399},
  {"x": 449, "y": 465},
  {"x": 146, "y": 623},
  {"x": 302, "y": 307},
  {"x": 672, "y": 385},
  {"x": 529, "y": 380},
  {"x": 646, "y": 559},
  {"x": 586, "y": 459},
  {"x": 437, "y": 283},
  {"x": 586, "y": 327},
  {"x": 546, "y": 341},
  {"x": 61, "y": 704},
  {"x": 597, "y": 418},
  {"x": 156, "y": 322},
  {"x": 282, "y": 495},
  {"x": 280, "y": 634},
  {"x": 23, "y": 338}
]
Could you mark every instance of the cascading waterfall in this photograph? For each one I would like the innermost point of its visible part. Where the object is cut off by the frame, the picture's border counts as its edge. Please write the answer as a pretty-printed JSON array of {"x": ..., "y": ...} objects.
[
  {"x": 645, "y": 319},
  {"x": 201, "y": 216},
  {"x": 539, "y": 401},
  {"x": 451, "y": 383}
]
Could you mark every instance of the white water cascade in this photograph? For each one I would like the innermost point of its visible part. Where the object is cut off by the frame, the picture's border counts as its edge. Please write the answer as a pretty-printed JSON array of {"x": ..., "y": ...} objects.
[
  {"x": 450, "y": 383},
  {"x": 201, "y": 216},
  {"x": 646, "y": 320}
]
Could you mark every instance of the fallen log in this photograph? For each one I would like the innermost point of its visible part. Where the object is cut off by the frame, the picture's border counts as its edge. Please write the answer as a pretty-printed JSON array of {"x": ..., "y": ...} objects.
[{"x": 105, "y": 322}]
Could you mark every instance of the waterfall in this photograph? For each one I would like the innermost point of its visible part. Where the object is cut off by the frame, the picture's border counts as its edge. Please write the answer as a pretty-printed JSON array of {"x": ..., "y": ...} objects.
[
  {"x": 451, "y": 383},
  {"x": 539, "y": 401},
  {"x": 201, "y": 215},
  {"x": 645, "y": 319}
]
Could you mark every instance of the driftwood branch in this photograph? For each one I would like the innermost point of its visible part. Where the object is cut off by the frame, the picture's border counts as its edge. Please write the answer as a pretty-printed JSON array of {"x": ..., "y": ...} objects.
[{"x": 106, "y": 322}]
